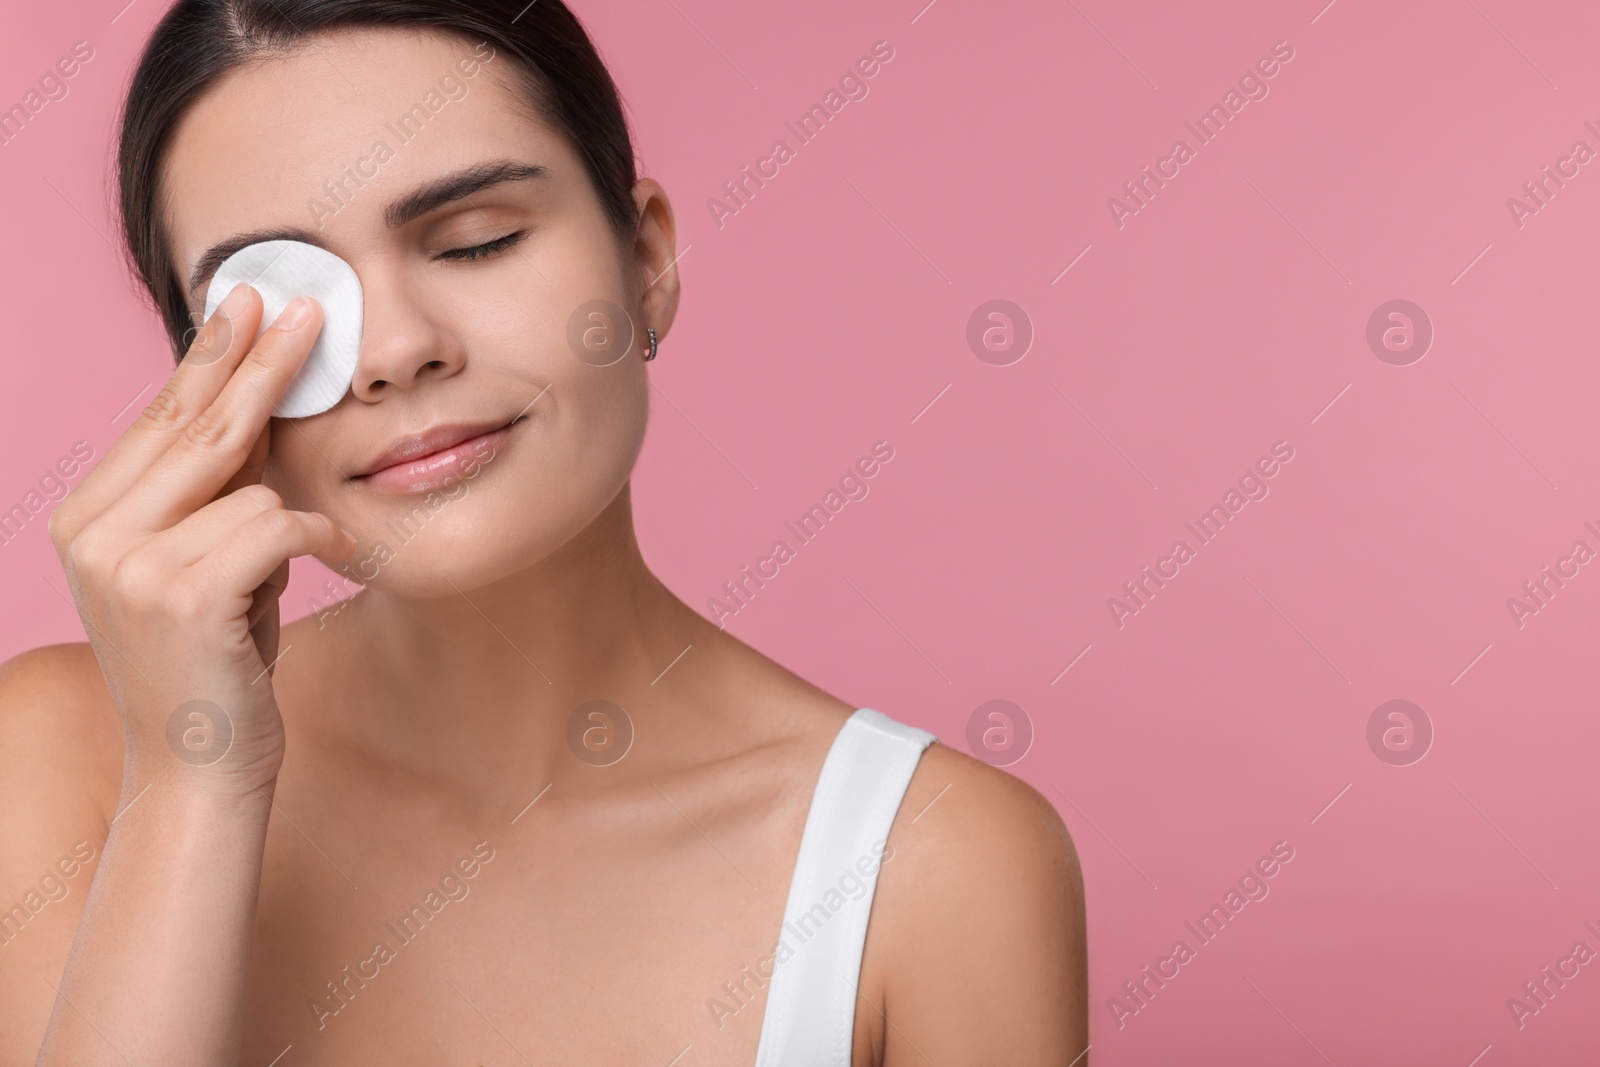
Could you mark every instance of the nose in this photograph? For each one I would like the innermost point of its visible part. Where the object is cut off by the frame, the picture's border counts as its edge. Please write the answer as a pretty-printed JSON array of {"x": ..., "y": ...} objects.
[{"x": 401, "y": 342}]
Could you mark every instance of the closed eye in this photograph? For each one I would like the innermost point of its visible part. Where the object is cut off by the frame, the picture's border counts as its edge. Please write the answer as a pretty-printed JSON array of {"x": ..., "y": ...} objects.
[{"x": 483, "y": 251}]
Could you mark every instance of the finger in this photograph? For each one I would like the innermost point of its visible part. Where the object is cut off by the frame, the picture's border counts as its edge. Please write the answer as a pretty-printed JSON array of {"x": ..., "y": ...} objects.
[
  {"x": 198, "y": 380},
  {"x": 215, "y": 445},
  {"x": 203, "y": 532},
  {"x": 265, "y": 598},
  {"x": 265, "y": 632},
  {"x": 255, "y": 463},
  {"x": 247, "y": 560}
]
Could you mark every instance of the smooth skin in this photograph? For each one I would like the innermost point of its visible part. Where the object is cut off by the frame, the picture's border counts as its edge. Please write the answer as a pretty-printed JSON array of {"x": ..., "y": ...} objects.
[{"x": 380, "y": 752}]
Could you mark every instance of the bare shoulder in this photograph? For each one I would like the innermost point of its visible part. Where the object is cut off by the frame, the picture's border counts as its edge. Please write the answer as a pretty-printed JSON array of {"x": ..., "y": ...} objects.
[
  {"x": 61, "y": 748},
  {"x": 789, "y": 711},
  {"x": 976, "y": 944},
  {"x": 60, "y": 731},
  {"x": 976, "y": 837},
  {"x": 60, "y": 774}
]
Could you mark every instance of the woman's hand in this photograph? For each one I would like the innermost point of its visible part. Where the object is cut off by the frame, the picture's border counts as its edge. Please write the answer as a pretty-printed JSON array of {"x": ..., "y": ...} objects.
[{"x": 176, "y": 555}]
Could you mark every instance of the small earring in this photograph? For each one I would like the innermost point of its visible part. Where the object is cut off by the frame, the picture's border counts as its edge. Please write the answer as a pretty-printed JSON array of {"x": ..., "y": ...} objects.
[{"x": 651, "y": 330}]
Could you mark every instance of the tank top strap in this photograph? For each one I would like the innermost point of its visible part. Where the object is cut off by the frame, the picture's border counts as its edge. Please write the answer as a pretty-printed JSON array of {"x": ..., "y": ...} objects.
[{"x": 811, "y": 1000}]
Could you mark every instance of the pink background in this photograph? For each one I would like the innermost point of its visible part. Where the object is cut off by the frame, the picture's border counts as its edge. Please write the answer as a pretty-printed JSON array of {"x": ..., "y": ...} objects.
[{"x": 1223, "y": 317}]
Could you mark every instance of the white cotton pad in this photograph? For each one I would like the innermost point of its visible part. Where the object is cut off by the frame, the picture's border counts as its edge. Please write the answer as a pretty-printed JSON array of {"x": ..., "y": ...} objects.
[{"x": 281, "y": 271}]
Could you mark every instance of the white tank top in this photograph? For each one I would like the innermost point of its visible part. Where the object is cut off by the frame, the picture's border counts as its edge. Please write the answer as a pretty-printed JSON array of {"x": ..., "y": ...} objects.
[{"x": 811, "y": 999}]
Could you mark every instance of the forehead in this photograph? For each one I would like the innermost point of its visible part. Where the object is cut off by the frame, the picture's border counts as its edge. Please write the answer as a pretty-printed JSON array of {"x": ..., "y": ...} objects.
[{"x": 280, "y": 134}]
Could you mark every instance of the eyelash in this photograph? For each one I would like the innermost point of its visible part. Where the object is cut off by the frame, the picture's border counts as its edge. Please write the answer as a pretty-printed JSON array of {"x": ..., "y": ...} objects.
[{"x": 483, "y": 251}]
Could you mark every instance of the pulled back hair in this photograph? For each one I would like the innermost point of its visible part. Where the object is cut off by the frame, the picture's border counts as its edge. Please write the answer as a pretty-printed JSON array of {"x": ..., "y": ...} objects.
[{"x": 198, "y": 42}]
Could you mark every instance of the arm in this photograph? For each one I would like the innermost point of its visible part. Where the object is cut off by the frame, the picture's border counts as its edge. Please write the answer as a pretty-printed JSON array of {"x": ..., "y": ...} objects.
[
  {"x": 144, "y": 939},
  {"x": 158, "y": 966},
  {"x": 60, "y": 765},
  {"x": 176, "y": 556}
]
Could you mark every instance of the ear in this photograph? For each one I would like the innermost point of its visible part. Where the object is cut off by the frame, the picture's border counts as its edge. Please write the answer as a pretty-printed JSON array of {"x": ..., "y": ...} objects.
[{"x": 655, "y": 255}]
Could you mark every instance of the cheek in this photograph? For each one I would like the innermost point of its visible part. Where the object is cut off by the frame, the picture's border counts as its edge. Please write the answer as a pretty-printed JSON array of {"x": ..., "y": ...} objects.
[
  {"x": 597, "y": 430},
  {"x": 293, "y": 471}
]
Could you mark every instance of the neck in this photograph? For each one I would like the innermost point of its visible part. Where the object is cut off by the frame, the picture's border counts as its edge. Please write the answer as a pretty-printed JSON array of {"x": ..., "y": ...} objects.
[{"x": 479, "y": 686}]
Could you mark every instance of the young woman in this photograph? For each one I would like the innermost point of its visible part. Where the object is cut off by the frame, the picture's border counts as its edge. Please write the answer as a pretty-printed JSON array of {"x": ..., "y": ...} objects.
[{"x": 513, "y": 802}]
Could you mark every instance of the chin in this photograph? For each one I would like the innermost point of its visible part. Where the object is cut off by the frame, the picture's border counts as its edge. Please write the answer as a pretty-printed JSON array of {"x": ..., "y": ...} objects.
[
  {"x": 434, "y": 562},
  {"x": 472, "y": 534},
  {"x": 455, "y": 552}
]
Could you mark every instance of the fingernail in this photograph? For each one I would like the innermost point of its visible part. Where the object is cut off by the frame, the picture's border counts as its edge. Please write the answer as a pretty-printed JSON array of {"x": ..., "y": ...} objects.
[
  {"x": 234, "y": 302},
  {"x": 295, "y": 314}
]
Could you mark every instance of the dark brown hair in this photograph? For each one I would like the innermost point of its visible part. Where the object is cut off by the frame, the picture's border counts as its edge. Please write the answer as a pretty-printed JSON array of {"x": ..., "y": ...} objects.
[{"x": 199, "y": 41}]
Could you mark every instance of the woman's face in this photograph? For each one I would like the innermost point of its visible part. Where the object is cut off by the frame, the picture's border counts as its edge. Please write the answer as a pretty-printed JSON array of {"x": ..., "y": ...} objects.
[{"x": 333, "y": 144}]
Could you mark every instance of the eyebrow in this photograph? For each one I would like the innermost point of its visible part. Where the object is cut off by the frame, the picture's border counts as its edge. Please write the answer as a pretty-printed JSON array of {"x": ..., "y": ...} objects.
[{"x": 436, "y": 194}]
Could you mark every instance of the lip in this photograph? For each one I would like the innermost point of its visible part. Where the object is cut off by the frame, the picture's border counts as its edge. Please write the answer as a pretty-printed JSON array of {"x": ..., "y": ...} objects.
[{"x": 418, "y": 463}]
